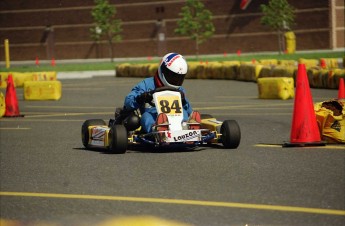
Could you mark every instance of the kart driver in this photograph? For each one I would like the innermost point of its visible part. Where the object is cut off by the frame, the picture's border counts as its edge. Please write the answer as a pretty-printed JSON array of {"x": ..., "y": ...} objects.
[{"x": 171, "y": 73}]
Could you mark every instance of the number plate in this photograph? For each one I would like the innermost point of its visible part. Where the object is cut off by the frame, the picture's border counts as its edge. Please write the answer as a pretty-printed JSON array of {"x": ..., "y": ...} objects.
[
  {"x": 170, "y": 105},
  {"x": 169, "y": 102}
]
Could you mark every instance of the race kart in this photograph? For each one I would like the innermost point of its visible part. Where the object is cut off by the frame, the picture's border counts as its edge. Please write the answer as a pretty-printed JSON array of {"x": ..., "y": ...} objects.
[{"x": 125, "y": 129}]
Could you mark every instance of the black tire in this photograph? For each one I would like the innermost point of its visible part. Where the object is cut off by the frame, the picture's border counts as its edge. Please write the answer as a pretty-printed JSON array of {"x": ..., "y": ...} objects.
[
  {"x": 206, "y": 116},
  {"x": 85, "y": 129},
  {"x": 231, "y": 134},
  {"x": 118, "y": 139}
]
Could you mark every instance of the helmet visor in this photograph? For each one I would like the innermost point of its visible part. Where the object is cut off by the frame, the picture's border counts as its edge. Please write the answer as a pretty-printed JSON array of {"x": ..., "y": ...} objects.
[{"x": 171, "y": 77}]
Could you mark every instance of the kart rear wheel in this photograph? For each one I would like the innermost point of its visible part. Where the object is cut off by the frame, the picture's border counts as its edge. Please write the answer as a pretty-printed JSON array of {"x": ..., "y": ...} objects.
[
  {"x": 231, "y": 134},
  {"x": 118, "y": 139},
  {"x": 85, "y": 129}
]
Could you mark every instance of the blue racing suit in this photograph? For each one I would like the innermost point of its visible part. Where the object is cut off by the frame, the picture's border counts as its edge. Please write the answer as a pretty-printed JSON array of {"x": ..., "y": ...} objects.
[{"x": 149, "y": 113}]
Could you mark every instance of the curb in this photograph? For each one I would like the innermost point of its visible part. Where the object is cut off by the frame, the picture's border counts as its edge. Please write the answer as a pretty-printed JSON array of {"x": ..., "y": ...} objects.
[{"x": 85, "y": 74}]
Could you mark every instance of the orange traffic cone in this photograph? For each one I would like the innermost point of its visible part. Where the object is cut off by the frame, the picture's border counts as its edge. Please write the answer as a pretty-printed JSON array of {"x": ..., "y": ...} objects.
[
  {"x": 37, "y": 61},
  {"x": 304, "y": 131},
  {"x": 12, "y": 109},
  {"x": 238, "y": 52},
  {"x": 341, "y": 92},
  {"x": 53, "y": 62}
]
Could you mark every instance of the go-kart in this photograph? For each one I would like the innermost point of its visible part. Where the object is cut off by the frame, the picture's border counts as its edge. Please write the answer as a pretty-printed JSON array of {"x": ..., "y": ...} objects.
[{"x": 125, "y": 129}]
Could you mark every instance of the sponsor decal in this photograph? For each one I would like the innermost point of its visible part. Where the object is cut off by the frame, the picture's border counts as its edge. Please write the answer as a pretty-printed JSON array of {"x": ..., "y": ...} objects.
[
  {"x": 180, "y": 136},
  {"x": 187, "y": 136},
  {"x": 336, "y": 125},
  {"x": 97, "y": 136},
  {"x": 168, "y": 61}
]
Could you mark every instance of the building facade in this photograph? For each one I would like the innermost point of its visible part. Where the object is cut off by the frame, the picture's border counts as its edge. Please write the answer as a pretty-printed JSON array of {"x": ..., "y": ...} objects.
[{"x": 60, "y": 29}]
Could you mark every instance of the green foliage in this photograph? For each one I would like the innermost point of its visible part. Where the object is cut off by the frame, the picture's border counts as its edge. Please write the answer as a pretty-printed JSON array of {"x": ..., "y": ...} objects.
[
  {"x": 195, "y": 22},
  {"x": 105, "y": 23},
  {"x": 279, "y": 16}
]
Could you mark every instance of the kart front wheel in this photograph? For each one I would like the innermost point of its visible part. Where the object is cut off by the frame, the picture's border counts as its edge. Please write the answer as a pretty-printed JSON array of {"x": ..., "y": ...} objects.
[
  {"x": 118, "y": 139},
  {"x": 231, "y": 134},
  {"x": 85, "y": 136}
]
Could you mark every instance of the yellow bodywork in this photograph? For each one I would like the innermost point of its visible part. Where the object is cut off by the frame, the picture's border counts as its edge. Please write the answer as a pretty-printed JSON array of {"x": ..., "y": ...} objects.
[
  {"x": 99, "y": 136},
  {"x": 213, "y": 125}
]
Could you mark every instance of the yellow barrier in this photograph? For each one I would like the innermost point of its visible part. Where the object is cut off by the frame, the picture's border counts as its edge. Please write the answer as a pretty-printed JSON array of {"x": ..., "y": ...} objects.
[
  {"x": 314, "y": 76},
  {"x": 289, "y": 63},
  {"x": 231, "y": 69},
  {"x": 249, "y": 72},
  {"x": 337, "y": 75},
  {"x": 42, "y": 90},
  {"x": 122, "y": 70},
  {"x": 309, "y": 62},
  {"x": 200, "y": 71},
  {"x": 140, "y": 70},
  {"x": 141, "y": 221},
  {"x": 269, "y": 62},
  {"x": 324, "y": 78},
  {"x": 265, "y": 72},
  {"x": 290, "y": 39},
  {"x": 244, "y": 71},
  {"x": 284, "y": 71},
  {"x": 153, "y": 69},
  {"x": 44, "y": 76},
  {"x": 191, "y": 74},
  {"x": 3, "y": 79},
  {"x": 214, "y": 70},
  {"x": 329, "y": 63},
  {"x": 20, "y": 77},
  {"x": 2, "y": 105},
  {"x": 136, "y": 70},
  {"x": 276, "y": 88}
]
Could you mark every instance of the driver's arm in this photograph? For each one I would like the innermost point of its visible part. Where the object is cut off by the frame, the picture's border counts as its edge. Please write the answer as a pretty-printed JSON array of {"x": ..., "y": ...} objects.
[
  {"x": 130, "y": 100},
  {"x": 186, "y": 105}
]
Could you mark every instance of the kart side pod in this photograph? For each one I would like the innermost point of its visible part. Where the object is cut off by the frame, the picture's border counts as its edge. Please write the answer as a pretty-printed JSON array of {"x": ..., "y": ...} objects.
[
  {"x": 227, "y": 132},
  {"x": 96, "y": 134}
]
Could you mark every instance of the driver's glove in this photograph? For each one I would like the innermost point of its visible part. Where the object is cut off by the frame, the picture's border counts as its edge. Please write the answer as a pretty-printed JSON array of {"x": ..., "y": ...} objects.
[{"x": 145, "y": 97}]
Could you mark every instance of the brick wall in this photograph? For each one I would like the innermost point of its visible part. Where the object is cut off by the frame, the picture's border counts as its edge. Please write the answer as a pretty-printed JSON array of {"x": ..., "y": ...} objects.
[{"x": 23, "y": 22}]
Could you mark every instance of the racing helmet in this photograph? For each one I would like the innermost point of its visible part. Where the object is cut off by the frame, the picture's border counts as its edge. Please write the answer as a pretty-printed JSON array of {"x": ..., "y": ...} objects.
[{"x": 172, "y": 70}]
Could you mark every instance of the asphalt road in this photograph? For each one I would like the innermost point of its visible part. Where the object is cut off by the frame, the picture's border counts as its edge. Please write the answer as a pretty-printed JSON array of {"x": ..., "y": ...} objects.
[{"x": 47, "y": 176}]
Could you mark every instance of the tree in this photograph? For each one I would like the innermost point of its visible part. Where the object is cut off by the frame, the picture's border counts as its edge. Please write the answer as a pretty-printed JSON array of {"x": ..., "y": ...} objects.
[
  {"x": 195, "y": 22},
  {"x": 279, "y": 16},
  {"x": 106, "y": 25}
]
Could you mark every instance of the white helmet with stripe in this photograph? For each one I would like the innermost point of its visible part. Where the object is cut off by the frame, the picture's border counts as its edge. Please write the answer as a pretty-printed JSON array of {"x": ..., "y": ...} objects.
[{"x": 172, "y": 70}]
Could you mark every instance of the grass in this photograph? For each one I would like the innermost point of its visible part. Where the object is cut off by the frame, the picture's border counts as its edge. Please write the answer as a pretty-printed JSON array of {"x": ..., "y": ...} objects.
[
  {"x": 62, "y": 67},
  {"x": 106, "y": 65}
]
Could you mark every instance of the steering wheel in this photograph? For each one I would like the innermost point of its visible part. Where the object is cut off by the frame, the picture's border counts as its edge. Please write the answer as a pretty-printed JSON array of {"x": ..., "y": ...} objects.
[{"x": 164, "y": 88}]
